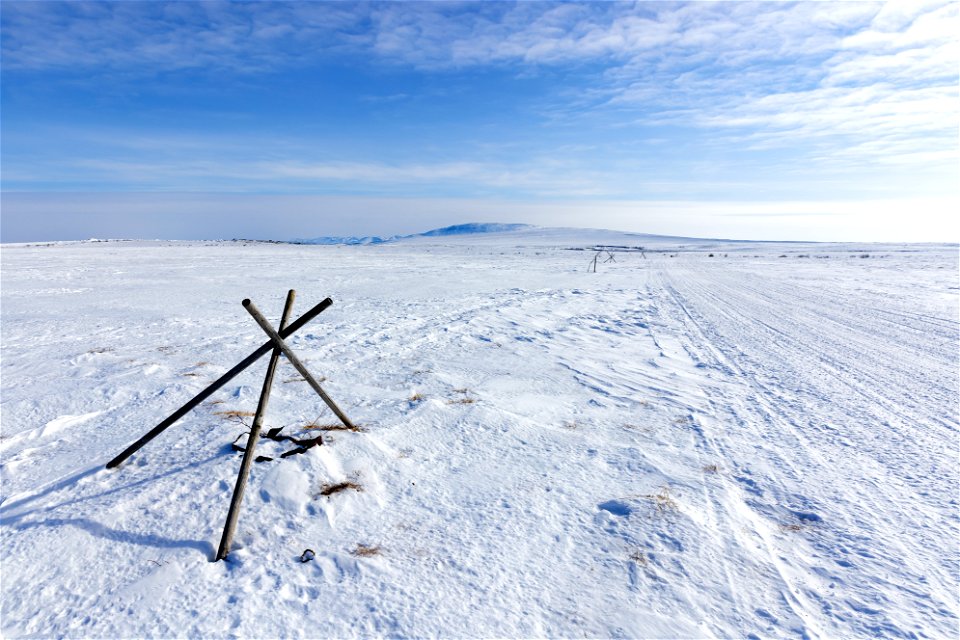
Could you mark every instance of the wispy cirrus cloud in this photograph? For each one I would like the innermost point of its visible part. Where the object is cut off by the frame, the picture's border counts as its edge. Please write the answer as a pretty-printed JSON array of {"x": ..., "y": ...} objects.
[
  {"x": 263, "y": 163},
  {"x": 835, "y": 78},
  {"x": 166, "y": 36}
]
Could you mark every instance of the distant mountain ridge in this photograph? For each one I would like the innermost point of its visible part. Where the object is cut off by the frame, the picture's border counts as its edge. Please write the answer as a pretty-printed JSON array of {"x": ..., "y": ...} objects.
[
  {"x": 453, "y": 230},
  {"x": 343, "y": 240}
]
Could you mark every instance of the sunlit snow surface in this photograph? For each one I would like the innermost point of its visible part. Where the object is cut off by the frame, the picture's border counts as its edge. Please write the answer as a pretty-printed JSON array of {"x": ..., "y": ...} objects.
[{"x": 759, "y": 443}]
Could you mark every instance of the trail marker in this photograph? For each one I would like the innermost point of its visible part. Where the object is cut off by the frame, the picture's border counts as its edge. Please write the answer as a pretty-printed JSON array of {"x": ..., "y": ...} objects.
[{"x": 276, "y": 346}]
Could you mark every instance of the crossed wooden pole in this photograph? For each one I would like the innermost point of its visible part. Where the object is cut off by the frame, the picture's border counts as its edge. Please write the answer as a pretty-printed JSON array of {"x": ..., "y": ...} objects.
[{"x": 277, "y": 346}]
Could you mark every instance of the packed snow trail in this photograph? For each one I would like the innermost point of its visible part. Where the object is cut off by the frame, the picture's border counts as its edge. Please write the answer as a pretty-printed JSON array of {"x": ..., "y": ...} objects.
[
  {"x": 825, "y": 394},
  {"x": 737, "y": 446}
]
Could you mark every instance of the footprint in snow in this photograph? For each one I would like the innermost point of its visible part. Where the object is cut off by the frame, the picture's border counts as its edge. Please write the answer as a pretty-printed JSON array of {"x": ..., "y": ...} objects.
[{"x": 616, "y": 507}]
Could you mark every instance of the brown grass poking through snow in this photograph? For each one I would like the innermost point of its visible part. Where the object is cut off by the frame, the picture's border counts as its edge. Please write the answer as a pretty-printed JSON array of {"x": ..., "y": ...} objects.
[
  {"x": 330, "y": 489},
  {"x": 465, "y": 400},
  {"x": 334, "y": 427},
  {"x": 711, "y": 468},
  {"x": 366, "y": 551},
  {"x": 638, "y": 556},
  {"x": 663, "y": 500},
  {"x": 417, "y": 397},
  {"x": 97, "y": 350},
  {"x": 235, "y": 414}
]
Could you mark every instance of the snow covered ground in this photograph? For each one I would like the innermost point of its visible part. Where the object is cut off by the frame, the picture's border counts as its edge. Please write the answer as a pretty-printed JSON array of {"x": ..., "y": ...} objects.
[{"x": 759, "y": 443}]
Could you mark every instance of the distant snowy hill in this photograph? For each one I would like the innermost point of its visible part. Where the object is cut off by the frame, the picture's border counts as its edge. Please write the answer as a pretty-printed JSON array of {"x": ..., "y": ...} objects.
[
  {"x": 498, "y": 231},
  {"x": 453, "y": 230},
  {"x": 476, "y": 227}
]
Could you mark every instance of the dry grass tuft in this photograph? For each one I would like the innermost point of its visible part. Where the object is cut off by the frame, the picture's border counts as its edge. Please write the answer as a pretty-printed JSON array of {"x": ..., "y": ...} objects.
[
  {"x": 711, "y": 468},
  {"x": 638, "y": 556},
  {"x": 366, "y": 551},
  {"x": 663, "y": 500},
  {"x": 792, "y": 527},
  {"x": 334, "y": 427},
  {"x": 465, "y": 400},
  {"x": 189, "y": 374},
  {"x": 202, "y": 363},
  {"x": 101, "y": 350},
  {"x": 417, "y": 397},
  {"x": 570, "y": 424},
  {"x": 330, "y": 489},
  {"x": 214, "y": 402},
  {"x": 235, "y": 414}
]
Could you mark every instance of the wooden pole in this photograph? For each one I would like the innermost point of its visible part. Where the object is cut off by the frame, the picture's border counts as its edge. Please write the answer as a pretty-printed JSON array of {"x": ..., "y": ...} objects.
[
  {"x": 248, "y": 455},
  {"x": 292, "y": 357},
  {"x": 222, "y": 380}
]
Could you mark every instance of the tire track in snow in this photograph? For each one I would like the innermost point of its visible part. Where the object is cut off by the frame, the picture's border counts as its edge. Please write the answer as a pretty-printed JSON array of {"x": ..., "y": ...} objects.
[
  {"x": 701, "y": 349},
  {"x": 861, "y": 336},
  {"x": 778, "y": 409},
  {"x": 878, "y": 392}
]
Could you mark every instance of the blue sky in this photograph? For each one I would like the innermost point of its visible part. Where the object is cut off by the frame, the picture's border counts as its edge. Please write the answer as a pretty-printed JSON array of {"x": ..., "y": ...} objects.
[{"x": 825, "y": 121}]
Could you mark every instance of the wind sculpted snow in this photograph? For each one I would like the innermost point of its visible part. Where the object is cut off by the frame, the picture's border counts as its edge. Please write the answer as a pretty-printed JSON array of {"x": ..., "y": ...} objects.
[{"x": 743, "y": 445}]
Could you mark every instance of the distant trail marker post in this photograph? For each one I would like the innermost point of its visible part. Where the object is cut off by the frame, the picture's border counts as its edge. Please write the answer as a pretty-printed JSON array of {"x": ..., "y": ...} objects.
[
  {"x": 593, "y": 263},
  {"x": 611, "y": 251}
]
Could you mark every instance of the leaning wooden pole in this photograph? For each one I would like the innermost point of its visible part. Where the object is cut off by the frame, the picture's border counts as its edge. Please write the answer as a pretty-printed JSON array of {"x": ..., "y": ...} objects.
[
  {"x": 222, "y": 380},
  {"x": 248, "y": 455},
  {"x": 277, "y": 339}
]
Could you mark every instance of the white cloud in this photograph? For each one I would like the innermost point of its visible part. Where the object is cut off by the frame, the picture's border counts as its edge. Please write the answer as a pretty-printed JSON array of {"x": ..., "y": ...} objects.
[{"x": 898, "y": 14}]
